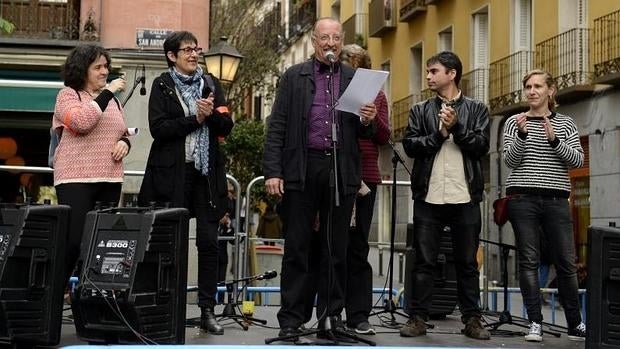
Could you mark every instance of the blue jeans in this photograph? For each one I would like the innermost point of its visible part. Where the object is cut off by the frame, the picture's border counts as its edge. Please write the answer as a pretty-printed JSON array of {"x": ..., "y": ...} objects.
[{"x": 530, "y": 216}]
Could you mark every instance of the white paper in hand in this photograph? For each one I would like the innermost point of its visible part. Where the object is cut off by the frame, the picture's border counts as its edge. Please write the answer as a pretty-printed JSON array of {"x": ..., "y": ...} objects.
[{"x": 362, "y": 89}]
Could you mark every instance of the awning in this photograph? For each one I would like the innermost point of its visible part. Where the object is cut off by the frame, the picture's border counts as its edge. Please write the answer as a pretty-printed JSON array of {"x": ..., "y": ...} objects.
[{"x": 28, "y": 95}]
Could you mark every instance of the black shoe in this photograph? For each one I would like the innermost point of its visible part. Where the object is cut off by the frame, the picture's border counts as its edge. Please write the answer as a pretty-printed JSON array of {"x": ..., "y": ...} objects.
[
  {"x": 209, "y": 323},
  {"x": 290, "y": 331}
]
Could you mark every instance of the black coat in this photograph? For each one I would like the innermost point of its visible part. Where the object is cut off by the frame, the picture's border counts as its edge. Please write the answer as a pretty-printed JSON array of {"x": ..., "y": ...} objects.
[
  {"x": 164, "y": 177},
  {"x": 285, "y": 154},
  {"x": 423, "y": 141}
]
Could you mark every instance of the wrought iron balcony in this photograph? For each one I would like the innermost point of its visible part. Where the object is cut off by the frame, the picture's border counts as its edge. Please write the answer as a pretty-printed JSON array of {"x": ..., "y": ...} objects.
[
  {"x": 606, "y": 53},
  {"x": 267, "y": 32},
  {"x": 43, "y": 20},
  {"x": 301, "y": 18},
  {"x": 410, "y": 8},
  {"x": 356, "y": 29},
  {"x": 382, "y": 18},
  {"x": 505, "y": 86},
  {"x": 565, "y": 56},
  {"x": 475, "y": 85},
  {"x": 400, "y": 112}
]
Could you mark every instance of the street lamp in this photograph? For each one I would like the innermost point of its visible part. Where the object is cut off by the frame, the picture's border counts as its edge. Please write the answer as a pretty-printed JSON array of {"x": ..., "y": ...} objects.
[{"x": 222, "y": 60}]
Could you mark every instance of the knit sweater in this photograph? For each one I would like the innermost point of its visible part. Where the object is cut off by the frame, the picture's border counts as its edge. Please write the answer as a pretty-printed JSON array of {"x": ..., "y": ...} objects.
[
  {"x": 369, "y": 147},
  {"x": 538, "y": 166},
  {"x": 84, "y": 154}
]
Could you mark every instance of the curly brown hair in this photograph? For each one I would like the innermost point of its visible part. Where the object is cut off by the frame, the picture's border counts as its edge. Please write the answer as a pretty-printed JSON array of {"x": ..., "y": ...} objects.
[
  {"x": 355, "y": 56},
  {"x": 74, "y": 71}
]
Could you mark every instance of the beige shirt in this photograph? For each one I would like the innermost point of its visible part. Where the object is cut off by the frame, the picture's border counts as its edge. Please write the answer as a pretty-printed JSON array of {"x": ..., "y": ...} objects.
[{"x": 448, "y": 184}]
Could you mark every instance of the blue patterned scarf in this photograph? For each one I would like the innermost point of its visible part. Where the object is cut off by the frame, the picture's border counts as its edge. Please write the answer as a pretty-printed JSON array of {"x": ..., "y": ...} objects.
[{"x": 190, "y": 87}]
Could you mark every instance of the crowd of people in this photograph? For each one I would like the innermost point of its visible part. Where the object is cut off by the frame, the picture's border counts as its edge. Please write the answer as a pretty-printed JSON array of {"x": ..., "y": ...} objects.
[{"x": 322, "y": 164}]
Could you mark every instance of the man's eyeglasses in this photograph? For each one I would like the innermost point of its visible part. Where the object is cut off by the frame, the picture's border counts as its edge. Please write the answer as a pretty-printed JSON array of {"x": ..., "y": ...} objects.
[
  {"x": 325, "y": 38},
  {"x": 188, "y": 50}
]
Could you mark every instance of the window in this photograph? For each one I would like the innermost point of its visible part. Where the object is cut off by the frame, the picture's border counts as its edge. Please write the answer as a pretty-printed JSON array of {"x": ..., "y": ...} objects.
[
  {"x": 522, "y": 25},
  {"x": 417, "y": 69},
  {"x": 572, "y": 14},
  {"x": 386, "y": 66},
  {"x": 480, "y": 40},
  {"x": 444, "y": 41}
]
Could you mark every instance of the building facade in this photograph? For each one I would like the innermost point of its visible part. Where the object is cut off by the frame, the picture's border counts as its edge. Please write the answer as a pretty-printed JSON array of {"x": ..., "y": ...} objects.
[
  {"x": 578, "y": 41},
  {"x": 45, "y": 32}
]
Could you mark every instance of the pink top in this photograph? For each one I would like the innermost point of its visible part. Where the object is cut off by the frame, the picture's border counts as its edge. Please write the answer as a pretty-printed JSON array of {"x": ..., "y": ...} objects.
[{"x": 84, "y": 154}]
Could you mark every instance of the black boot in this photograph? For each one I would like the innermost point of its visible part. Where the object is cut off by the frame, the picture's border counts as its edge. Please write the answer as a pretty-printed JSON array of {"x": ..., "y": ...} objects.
[{"x": 208, "y": 322}]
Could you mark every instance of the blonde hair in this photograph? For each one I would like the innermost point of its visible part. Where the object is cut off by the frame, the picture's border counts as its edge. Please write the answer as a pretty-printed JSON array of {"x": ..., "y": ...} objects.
[
  {"x": 549, "y": 80},
  {"x": 355, "y": 56}
]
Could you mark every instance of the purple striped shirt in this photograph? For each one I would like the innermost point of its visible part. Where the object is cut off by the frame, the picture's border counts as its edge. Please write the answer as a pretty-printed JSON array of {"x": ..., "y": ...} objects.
[{"x": 319, "y": 124}]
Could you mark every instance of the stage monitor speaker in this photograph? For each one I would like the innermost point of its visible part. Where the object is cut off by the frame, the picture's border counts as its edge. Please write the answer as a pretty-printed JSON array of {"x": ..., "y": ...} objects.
[
  {"x": 444, "y": 293},
  {"x": 32, "y": 252},
  {"x": 603, "y": 290},
  {"x": 133, "y": 276}
]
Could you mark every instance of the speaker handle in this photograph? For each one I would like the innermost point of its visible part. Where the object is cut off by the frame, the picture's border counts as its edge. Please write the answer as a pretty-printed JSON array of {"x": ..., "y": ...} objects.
[
  {"x": 38, "y": 268},
  {"x": 163, "y": 275}
]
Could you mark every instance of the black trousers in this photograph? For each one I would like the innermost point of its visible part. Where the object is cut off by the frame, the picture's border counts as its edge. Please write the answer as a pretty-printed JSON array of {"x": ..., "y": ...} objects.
[
  {"x": 299, "y": 216},
  {"x": 359, "y": 271},
  {"x": 428, "y": 222},
  {"x": 197, "y": 201},
  {"x": 82, "y": 198}
]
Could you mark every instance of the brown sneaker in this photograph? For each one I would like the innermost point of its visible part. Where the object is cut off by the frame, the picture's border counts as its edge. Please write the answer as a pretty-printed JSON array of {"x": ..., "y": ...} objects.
[
  {"x": 414, "y": 327},
  {"x": 474, "y": 329}
]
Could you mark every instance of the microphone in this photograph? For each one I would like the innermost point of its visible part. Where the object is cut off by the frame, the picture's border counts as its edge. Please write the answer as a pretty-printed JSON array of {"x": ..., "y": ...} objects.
[
  {"x": 142, "y": 81},
  {"x": 330, "y": 56},
  {"x": 270, "y": 274}
]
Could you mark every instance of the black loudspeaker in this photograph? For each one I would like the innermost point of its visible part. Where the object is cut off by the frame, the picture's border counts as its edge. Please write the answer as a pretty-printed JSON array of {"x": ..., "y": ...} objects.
[
  {"x": 444, "y": 285},
  {"x": 32, "y": 252},
  {"x": 133, "y": 276},
  {"x": 603, "y": 290}
]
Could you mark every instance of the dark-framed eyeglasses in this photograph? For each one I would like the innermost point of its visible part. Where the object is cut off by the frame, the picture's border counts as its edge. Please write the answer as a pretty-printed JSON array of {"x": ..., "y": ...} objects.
[{"x": 188, "y": 50}]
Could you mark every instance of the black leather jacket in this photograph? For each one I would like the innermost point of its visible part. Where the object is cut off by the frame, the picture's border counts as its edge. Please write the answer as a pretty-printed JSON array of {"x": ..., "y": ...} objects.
[{"x": 423, "y": 141}]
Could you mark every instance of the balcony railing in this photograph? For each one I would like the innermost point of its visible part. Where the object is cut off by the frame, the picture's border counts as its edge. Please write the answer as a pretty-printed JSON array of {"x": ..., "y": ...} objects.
[
  {"x": 356, "y": 29},
  {"x": 302, "y": 17},
  {"x": 382, "y": 17},
  {"x": 410, "y": 8},
  {"x": 400, "y": 112},
  {"x": 606, "y": 40},
  {"x": 565, "y": 56},
  {"x": 266, "y": 33},
  {"x": 505, "y": 77},
  {"x": 42, "y": 19},
  {"x": 475, "y": 84}
]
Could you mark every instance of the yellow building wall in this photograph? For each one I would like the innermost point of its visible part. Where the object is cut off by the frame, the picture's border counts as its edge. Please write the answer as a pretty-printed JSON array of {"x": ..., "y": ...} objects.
[
  {"x": 545, "y": 21},
  {"x": 395, "y": 46},
  {"x": 599, "y": 8},
  {"x": 499, "y": 34}
]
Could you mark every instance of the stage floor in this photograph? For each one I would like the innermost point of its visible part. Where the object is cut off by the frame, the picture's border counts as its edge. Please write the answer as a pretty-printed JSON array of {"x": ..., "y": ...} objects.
[{"x": 446, "y": 333}]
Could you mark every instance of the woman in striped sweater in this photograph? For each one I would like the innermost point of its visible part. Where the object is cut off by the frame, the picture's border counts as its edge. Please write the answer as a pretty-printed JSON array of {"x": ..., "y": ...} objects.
[{"x": 540, "y": 146}]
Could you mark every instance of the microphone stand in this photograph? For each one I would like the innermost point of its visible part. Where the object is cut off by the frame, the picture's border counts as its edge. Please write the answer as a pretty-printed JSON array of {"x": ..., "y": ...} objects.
[
  {"x": 388, "y": 305},
  {"x": 136, "y": 82},
  {"x": 505, "y": 317},
  {"x": 230, "y": 309}
]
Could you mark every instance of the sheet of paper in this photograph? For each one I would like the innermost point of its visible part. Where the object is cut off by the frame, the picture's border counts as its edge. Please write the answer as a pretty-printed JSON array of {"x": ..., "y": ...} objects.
[{"x": 362, "y": 89}]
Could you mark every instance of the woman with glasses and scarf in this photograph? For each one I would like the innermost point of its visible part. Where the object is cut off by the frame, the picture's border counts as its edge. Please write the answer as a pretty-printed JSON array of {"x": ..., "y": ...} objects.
[{"x": 185, "y": 168}]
